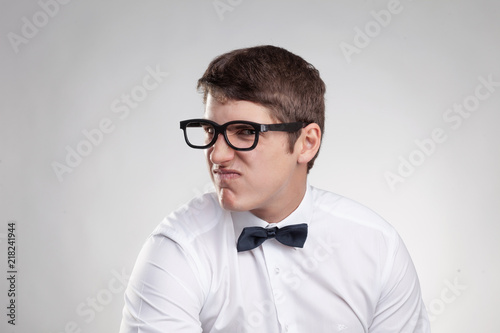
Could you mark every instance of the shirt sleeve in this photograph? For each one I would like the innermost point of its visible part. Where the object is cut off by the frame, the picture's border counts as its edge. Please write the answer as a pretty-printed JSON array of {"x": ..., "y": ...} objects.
[
  {"x": 400, "y": 307},
  {"x": 164, "y": 293}
]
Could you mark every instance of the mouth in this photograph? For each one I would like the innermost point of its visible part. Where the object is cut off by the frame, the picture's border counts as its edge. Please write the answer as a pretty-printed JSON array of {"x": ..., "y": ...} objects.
[{"x": 225, "y": 174}]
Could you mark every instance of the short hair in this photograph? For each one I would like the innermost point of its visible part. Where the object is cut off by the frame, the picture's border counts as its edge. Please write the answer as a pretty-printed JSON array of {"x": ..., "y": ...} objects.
[{"x": 273, "y": 77}]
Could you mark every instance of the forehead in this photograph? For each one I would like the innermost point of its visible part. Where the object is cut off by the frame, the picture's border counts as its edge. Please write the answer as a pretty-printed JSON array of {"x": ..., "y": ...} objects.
[{"x": 223, "y": 111}]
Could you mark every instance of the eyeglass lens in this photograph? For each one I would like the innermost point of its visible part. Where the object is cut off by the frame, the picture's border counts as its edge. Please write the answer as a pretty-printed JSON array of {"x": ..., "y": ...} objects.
[{"x": 240, "y": 135}]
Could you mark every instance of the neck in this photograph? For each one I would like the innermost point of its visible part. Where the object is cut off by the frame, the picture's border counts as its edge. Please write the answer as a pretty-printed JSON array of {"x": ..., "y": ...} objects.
[{"x": 285, "y": 204}]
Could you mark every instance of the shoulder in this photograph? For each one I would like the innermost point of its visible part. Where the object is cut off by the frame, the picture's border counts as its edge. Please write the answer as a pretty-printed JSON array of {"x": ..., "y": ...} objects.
[
  {"x": 199, "y": 216},
  {"x": 185, "y": 244},
  {"x": 349, "y": 214},
  {"x": 358, "y": 234}
]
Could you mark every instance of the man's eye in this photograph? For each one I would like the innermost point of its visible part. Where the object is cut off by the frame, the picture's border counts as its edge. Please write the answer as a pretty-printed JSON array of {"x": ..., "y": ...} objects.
[{"x": 246, "y": 131}]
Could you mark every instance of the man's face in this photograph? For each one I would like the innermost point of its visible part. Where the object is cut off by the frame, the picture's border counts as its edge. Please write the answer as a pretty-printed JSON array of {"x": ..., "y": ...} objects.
[{"x": 267, "y": 180}]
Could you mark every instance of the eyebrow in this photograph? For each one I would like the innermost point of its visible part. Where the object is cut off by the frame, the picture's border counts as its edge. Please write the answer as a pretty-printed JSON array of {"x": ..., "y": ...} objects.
[{"x": 242, "y": 126}]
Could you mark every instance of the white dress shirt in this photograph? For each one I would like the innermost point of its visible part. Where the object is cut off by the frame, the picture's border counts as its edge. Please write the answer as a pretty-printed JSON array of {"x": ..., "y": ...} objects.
[{"x": 353, "y": 274}]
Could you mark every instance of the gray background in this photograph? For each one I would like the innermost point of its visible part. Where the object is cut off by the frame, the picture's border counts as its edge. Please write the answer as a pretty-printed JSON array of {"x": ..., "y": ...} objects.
[{"x": 77, "y": 232}]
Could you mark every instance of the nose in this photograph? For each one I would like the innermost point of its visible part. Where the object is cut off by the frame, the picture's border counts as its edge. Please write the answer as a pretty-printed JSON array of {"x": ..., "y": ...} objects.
[{"x": 220, "y": 152}]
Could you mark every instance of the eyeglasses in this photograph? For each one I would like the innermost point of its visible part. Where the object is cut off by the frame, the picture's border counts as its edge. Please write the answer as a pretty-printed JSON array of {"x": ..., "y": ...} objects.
[{"x": 239, "y": 134}]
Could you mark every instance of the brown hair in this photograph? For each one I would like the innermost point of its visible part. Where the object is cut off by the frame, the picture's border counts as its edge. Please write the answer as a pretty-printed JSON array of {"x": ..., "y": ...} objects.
[{"x": 273, "y": 77}]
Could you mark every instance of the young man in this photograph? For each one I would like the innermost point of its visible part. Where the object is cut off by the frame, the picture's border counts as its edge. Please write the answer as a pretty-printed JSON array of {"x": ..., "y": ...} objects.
[{"x": 267, "y": 252}]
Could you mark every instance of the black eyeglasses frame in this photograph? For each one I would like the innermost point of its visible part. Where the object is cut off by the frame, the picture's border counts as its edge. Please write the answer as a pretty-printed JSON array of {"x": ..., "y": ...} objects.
[{"x": 221, "y": 129}]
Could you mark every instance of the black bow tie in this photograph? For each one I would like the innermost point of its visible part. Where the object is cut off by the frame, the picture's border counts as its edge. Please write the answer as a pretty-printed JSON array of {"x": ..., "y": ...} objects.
[{"x": 292, "y": 235}]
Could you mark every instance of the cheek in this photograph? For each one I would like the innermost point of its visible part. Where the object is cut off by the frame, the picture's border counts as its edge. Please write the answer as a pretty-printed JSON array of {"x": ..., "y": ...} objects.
[
  {"x": 267, "y": 167},
  {"x": 207, "y": 153}
]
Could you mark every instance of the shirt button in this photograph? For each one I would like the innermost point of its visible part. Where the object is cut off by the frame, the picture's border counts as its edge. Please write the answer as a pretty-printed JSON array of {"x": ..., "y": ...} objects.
[
  {"x": 286, "y": 327},
  {"x": 276, "y": 270}
]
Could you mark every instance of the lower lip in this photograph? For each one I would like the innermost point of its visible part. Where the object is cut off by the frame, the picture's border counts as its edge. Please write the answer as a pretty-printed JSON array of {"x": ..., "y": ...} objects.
[{"x": 226, "y": 176}]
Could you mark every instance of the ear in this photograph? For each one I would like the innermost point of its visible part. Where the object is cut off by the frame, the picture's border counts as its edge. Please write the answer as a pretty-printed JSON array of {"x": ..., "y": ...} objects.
[{"x": 309, "y": 141}]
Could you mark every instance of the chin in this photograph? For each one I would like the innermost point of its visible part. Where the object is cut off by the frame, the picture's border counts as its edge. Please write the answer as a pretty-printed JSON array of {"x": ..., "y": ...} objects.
[
  {"x": 226, "y": 200},
  {"x": 230, "y": 205},
  {"x": 230, "y": 202}
]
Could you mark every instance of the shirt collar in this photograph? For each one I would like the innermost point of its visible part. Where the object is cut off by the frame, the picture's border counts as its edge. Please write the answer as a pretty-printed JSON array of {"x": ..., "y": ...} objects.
[{"x": 302, "y": 214}]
